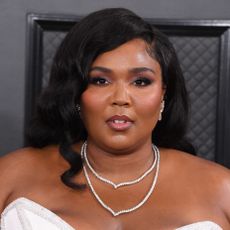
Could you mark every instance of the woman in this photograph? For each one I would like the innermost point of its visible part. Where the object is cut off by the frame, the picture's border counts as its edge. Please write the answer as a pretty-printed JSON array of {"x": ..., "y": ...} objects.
[{"x": 115, "y": 88}]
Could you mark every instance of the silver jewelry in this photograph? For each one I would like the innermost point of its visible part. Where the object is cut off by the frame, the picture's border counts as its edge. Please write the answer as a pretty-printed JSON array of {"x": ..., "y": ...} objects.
[
  {"x": 141, "y": 203},
  {"x": 78, "y": 107},
  {"x": 161, "y": 110},
  {"x": 117, "y": 185}
]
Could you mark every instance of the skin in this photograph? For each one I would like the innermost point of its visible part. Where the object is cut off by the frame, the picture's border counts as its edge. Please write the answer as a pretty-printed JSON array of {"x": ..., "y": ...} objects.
[
  {"x": 119, "y": 83},
  {"x": 189, "y": 189}
]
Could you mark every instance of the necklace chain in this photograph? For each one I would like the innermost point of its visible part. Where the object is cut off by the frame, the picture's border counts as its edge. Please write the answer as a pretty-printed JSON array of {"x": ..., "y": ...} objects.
[
  {"x": 141, "y": 203},
  {"x": 117, "y": 185}
]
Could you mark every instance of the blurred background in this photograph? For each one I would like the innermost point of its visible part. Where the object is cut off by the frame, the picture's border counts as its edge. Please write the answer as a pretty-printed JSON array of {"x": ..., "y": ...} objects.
[{"x": 13, "y": 44}]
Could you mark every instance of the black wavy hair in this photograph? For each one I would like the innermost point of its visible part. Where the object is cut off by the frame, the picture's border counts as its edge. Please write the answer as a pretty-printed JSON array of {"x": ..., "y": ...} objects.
[{"x": 56, "y": 120}]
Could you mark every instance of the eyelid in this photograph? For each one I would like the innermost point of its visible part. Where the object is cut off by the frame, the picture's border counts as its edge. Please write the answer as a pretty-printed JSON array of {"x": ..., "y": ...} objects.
[
  {"x": 145, "y": 80},
  {"x": 95, "y": 79}
]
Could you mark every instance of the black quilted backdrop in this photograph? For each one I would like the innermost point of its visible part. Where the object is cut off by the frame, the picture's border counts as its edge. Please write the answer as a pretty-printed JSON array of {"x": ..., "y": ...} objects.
[
  {"x": 199, "y": 61},
  {"x": 51, "y": 40}
]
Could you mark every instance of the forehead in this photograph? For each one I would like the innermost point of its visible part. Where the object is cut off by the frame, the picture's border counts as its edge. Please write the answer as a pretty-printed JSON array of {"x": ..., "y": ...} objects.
[{"x": 133, "y": 53}]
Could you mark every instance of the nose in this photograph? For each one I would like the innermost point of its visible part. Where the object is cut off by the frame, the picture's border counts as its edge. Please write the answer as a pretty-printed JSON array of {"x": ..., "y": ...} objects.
[{"x": 121, "y": 95}]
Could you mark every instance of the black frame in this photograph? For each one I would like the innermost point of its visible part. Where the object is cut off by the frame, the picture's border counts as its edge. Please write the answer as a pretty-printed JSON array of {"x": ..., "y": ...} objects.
[{"x": 37, "y": 24}]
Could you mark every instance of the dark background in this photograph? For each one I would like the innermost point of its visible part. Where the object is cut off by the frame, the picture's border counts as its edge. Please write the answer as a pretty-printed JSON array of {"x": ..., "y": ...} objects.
[{"x": 13, "y": 44}]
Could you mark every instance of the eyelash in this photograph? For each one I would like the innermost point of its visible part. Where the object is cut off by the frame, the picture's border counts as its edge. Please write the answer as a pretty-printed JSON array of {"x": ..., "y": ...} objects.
[
  {"x": 139, "y": 82},
  {"x": 98, "y": 81},
  {"x": 142, "y": 81}
]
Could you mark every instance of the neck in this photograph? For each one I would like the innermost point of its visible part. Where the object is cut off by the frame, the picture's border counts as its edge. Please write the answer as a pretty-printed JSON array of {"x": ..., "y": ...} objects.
[{"x": 122, "y": 165}]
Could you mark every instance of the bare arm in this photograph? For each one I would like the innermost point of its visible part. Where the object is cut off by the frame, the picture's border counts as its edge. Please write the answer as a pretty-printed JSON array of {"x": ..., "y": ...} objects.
[
  {"x": 12, "y": 167},
  {"x": 6, "y": 169},
  {"x": 225, "y": 194}
]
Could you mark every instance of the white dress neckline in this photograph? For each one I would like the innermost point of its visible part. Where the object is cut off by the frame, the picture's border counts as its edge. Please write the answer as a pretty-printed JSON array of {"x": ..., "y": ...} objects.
[
  {"x": 22, "y": 205},
  {"x": 23, "y": 208}
]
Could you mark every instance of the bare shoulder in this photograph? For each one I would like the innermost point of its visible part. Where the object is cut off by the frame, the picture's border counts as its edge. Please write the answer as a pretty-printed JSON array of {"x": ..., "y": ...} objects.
[
  {"x": 201, "y": 169},
  {"x": 20, "y": 167},
  {"x": 189, "y": 160},
  {"x": 18, "y": 157},
  {"x": 17, "y": 162},
  {"x": 212, "y": 179}
]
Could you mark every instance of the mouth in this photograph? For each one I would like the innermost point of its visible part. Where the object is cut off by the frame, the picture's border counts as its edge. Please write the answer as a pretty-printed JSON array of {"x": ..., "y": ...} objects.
[{"x": 119, "y": 123}]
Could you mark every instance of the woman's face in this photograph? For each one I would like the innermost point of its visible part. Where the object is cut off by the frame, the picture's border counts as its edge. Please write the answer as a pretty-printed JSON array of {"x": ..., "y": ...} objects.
[{"x": 122, "y": 102}]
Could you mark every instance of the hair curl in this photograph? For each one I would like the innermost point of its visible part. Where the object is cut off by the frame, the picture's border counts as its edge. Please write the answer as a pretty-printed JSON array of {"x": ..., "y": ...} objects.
[{"x": 56, "y": 120}]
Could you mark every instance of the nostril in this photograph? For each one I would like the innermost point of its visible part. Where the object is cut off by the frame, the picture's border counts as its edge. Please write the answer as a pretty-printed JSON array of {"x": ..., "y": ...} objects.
[{"x": 121, "y": 102}]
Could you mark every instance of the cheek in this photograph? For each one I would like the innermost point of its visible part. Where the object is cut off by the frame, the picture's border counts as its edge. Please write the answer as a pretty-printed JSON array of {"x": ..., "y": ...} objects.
[
  {"x": 149, "y": 106},
  {"x": 91, "y": 103}
]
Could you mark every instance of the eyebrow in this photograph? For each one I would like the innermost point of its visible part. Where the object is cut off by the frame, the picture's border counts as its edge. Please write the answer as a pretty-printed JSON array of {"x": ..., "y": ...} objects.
[
  {"x": 102, "y": 69},
  {"x": 142, "y": 69},
  {"x": 133, "y": 70}
]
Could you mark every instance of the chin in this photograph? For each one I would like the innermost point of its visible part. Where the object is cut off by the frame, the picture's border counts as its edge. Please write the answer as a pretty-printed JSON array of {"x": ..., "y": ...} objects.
[{"x": 120, "y": 145}]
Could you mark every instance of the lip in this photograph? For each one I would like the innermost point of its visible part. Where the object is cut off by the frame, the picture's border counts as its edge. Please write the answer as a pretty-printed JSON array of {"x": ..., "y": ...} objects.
[{"x": 119, "y": 122}]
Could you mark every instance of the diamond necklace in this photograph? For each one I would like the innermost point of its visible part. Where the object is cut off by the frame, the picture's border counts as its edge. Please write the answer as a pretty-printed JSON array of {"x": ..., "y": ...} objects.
[
  {"x": 117, "y": 185},
  {"x": 141, "y": 203}
]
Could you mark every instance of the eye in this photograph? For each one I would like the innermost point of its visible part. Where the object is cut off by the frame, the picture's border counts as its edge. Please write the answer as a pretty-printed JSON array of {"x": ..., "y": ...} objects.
[
  {"x": 142, "y": 81},
  {"x": 98, "y": 81}
]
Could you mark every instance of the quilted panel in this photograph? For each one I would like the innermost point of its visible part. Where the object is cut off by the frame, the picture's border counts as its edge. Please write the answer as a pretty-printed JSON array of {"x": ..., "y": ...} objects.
[
  {"x": 199, "y": 57},
  {"x": 51, "y": 40}
]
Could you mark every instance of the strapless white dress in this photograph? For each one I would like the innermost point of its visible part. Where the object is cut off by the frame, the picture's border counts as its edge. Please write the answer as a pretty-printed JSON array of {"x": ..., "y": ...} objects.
[{"x": 24, "y": 214}]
